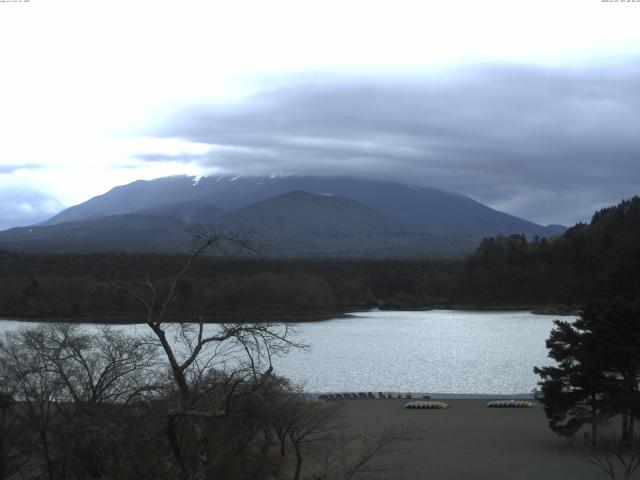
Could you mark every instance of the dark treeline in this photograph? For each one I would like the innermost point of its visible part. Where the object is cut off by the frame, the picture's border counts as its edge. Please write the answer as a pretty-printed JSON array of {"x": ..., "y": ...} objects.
[
  {"x": 503, "y": 272},
  {"x": 88, "y": 286},
  {"x": 588, "y": 261}
]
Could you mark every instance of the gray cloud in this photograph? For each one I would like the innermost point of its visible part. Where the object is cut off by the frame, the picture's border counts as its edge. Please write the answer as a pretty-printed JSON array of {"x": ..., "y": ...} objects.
[
  {"x": 547, "y": 144},
  {"x": 21, "y": 206}
]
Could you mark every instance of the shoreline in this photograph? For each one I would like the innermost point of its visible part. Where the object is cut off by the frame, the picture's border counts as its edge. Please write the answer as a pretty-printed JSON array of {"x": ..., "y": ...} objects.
[
  {"x": 225, "y": 318},
  {"x": 559, "y": 310}
]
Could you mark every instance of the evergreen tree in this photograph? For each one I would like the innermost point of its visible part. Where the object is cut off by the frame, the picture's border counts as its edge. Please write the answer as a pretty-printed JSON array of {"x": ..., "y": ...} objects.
[
  {"x": 574, "y": 391},
  {"x": 617, "y": 329},
  {"x": 598, "y": 369}
]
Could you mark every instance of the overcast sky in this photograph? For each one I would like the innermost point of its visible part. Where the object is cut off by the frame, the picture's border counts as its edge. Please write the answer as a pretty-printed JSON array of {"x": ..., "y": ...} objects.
[{"x": 530, "y": 107}]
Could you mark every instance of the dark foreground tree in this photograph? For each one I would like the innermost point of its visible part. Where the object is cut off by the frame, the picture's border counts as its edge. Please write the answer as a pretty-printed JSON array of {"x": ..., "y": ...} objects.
[
  {"x": 597, "y": 371},
  {"x": 573, "y": 392},
  {"x": 617, "y": 326},
  {"x": 9, "y": 436},
  {"x": 71, "y": 395}
]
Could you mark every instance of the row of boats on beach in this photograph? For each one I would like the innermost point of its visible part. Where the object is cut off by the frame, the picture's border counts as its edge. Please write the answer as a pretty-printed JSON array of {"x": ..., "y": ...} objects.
[
  {"x": 424, "y": 403},
  {"x": 366, "y": 396},
  {"x": 418, "y": 404}
]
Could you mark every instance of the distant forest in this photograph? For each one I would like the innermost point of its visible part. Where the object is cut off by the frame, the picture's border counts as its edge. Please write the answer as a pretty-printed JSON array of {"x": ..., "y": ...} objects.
[{"x": 586, "y": 262}]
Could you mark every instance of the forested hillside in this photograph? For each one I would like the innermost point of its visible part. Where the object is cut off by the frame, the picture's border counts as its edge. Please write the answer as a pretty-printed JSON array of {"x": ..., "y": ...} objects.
[
  {"x": 588, "y": 261},
  {"x": 89, "y": 286}
]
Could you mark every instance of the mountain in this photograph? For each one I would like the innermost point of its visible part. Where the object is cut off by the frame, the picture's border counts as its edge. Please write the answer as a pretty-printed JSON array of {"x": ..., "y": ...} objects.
[
  {"x": 423, "y": 208},
  {"x": 304, "y": 224},
  {"x": 115, "y": 232},
  {"x": 290, "y": 216},
  {"x": 190, "y": 212},
  {"x": 139, "y": 196},
  {"x": 306, "y": 214},
  {"x": 293, "y": 224}
]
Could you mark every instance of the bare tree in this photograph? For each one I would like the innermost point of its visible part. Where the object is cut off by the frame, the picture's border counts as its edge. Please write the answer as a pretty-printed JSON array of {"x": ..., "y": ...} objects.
[
  {"x": 9, "y": 434},
  {"x": 111, "y": 367},
  {"x": 282, "y": 409},
  {"x": 618, "y": 459},
  {"x": 89, "y": 405},
  {"x": 310, "y": 422},
  {"x": 315, "y": 428},
  {"x": 69, "y": 388},
  {"x": 352, "y": 456},
  {"x": 37, "y": 390},
  {"x": 191, "y": 350}
]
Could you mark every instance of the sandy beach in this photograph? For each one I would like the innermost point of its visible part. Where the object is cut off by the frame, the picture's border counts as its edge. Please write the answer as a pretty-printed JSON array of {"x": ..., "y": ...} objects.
[{"x": 471, "y": 441}]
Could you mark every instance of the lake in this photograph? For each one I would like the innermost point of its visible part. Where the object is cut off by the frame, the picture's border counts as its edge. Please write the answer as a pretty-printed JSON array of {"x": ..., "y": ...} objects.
[{"x": 443, "y": 351}]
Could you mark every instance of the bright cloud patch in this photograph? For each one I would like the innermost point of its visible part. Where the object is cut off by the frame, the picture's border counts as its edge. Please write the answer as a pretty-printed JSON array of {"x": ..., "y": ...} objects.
[{"x": 21, "y": 206}]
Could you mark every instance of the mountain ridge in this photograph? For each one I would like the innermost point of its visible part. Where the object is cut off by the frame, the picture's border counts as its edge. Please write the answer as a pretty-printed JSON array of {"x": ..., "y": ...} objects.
[
  {"x": 441, "y": 211},
  {"x": 293, "y": 215}
]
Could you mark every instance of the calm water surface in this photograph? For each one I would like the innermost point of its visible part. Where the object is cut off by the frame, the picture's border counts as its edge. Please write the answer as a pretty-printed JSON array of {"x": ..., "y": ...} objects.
[{"x": 447, "y": 351}]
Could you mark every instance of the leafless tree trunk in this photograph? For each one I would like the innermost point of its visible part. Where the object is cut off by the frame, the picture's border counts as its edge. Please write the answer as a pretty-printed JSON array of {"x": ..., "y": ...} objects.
[
  {"x": 618, "y": 459},
  {"x": 194, "y": 351},
  {"x": 310, "y": 422}
]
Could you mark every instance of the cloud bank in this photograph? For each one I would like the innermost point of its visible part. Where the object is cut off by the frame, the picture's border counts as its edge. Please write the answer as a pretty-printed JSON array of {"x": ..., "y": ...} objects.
[{"x": 548, "y": 144}]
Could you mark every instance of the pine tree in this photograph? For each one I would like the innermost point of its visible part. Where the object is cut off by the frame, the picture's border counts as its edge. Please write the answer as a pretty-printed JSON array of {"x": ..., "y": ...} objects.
[
  {"x": 598, "y": 369},
  {"x": 573, "y": 392}
]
